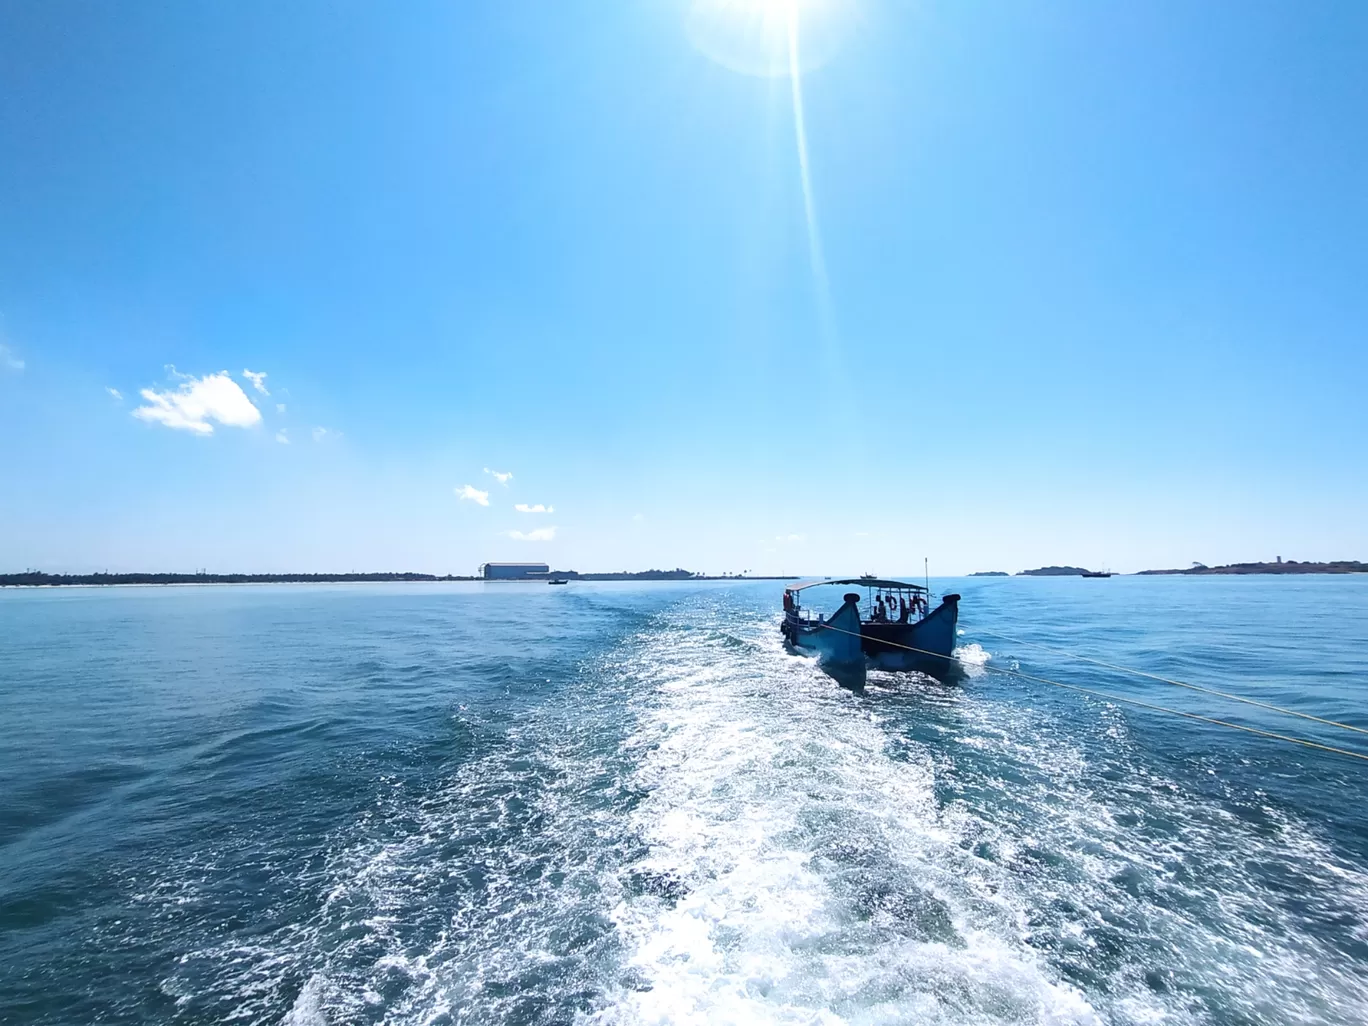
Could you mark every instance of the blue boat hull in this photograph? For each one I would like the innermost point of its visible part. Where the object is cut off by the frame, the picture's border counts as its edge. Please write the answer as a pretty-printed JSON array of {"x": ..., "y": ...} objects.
[
  {"x": 928, "y": 645},
  {"x": 836, "y": 641}
]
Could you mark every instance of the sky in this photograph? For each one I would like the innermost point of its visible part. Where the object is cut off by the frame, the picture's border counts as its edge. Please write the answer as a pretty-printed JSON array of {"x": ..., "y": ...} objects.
[{"x": 780, "y": 286}]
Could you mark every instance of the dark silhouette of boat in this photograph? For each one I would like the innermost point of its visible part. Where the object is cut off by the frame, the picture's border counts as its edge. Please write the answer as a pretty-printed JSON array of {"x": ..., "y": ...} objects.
[
  {"x": 558, "y": 580},
  {"x": 1096, "y": 573},
  {"x": 896, "y": 629}
]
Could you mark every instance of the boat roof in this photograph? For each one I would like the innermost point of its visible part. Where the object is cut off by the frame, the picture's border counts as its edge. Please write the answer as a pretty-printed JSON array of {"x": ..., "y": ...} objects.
[{"x": 863, "y": 582}]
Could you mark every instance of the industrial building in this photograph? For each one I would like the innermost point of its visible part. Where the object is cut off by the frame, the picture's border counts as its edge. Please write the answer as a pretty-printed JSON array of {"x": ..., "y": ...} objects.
[{"x": 513, "y": 571}]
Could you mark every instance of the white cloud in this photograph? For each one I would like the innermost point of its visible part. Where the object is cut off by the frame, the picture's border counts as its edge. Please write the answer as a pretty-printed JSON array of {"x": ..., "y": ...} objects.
[
  {"x": 115, "y": 393},
  {"x": 282, "y": 437},
  {"x": 258, "y": 380},
  {"x": 280, "y": 407},
  {"x": 473, "y": 494},
  {"x": 523, "y": 507},
  {"x": 638, "y": 517},
  {"x": 790, "y": 537},
  {"x": 320, "y": 433},
  {"x": 540, "y": 534},
  {"x": 9, "y": 360},
  {"x": 197, "y": 401},
  {"x": 503, "y": 478}
]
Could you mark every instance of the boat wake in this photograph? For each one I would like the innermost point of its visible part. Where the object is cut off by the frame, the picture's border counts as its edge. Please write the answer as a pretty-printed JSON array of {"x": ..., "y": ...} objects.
[
  {"x": 939, "y": 855},
  {"x": 702, "y": 828}
]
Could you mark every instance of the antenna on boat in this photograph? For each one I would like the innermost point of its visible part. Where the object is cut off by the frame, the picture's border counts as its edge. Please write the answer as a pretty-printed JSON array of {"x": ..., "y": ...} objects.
[{"x": 926, "y": 568}]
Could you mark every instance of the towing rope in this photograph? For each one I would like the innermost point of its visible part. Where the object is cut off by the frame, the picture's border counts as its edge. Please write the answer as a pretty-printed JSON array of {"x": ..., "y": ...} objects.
[
  {"x": 1126, "y": 701},
  {"x": 1177, "y": 683}
]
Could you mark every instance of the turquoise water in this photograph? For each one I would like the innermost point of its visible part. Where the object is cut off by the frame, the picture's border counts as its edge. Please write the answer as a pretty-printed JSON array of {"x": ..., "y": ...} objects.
[{"x": 627, "y": 804}]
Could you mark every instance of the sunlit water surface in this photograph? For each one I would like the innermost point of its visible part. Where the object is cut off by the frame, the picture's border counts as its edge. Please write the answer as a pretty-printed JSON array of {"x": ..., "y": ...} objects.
[{"x": 628, "y": 804}]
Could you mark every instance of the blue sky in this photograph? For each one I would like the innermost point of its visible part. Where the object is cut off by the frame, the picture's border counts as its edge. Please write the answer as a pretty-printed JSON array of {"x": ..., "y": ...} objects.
[{"x": 1082, "y": 283}]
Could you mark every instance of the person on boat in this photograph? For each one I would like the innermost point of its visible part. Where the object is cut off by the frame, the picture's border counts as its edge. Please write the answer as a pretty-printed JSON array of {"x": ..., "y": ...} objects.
[{"x": 903, "y": 610}]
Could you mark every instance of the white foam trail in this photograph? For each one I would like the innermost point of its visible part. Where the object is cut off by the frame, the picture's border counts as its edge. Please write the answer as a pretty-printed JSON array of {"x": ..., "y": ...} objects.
[
  {"x": 973, "y": 655},
  {"x": 816, "y": 881},
  {"x": 308, "y": 1007}
]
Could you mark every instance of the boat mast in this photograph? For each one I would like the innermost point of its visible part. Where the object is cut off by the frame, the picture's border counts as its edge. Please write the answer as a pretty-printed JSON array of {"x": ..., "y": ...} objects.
[{"x": 926, "y": 569}]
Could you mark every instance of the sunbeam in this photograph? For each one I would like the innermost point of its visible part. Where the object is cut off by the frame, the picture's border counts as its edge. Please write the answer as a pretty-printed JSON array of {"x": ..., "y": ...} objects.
[
  {"x": 809, "y": 206},
  {"x": 774, "y": 38}
]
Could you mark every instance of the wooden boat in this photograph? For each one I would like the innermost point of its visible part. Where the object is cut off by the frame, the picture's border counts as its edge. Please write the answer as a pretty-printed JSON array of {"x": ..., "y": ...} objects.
[
  {"x": 1096, "y": 573},
  {"x": 890, "y": 627}
]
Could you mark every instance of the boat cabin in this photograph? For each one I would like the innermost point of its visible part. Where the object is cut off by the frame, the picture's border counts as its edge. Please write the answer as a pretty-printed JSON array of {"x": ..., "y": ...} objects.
[{"x": 883, "y": 601}]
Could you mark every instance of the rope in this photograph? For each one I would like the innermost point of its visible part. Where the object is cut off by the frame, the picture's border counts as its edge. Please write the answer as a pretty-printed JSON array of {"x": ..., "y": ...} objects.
[
  {"x": 1126, "y": 701},
  {"x": 1177, "y": 683}
]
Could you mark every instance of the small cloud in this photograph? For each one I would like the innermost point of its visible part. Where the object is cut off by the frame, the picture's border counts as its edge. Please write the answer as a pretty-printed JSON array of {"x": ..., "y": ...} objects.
[
  {"x": 115, "y": 393},
  {"x": 861, "y": 534},
  {"x": 523, "y": 507},
  {"x": 258, "y": 380},
  {"x": 790, "y": 537},
  {"x": 473, "y": 494},
  {"x": 9, "y": 359},
  {"x": 638, "y": 517},
  {"x": 280, "y": 407},
  {"x": 214, "y": 397},
  {"x": 282, "y": 437},
  {"x": 503, "y": 478},
  {"x": 321, "y": 433},
  {"x": 540, "y": 534}
]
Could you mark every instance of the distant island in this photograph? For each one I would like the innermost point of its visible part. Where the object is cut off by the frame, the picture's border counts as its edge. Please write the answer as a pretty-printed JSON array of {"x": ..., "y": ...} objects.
[
  {"x": 1291, "y": 566},
  {"x": 990, "y": 573},
  {"x": 1054, "y": 571},
  {"x": 37, "y": 578}
]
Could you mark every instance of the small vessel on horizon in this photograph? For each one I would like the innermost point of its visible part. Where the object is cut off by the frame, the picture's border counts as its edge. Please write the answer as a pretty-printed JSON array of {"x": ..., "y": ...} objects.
[
  {"x": 558, "y": 580},
  {"x": 1096, "y": 573},
  {"x": 896, "y": 629}
]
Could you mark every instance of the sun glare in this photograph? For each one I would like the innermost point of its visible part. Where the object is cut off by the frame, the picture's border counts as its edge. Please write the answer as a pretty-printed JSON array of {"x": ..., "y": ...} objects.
[
  {"x": 781, "y": 38},
  {"x": 756, "y": 37}
]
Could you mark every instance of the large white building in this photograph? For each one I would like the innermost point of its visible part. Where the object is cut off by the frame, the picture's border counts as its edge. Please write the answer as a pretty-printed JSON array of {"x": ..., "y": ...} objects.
[{"x": 512, "y": 571}]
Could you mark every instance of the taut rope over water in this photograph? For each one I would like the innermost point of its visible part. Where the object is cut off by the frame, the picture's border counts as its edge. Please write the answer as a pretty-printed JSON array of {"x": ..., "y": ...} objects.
[
  {"x": 1135, "y": 701},
  {"x": 1177, "y": 683}
]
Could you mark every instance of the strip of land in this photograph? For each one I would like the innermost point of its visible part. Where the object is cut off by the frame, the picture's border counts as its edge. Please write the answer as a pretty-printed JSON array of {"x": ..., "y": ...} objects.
[
  {"x": 1291, "y": 566},
  {"x": 37, "y": 578}
]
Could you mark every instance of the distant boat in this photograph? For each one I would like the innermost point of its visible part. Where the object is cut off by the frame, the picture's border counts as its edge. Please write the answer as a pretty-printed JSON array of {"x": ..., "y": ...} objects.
[
  {"x": 896, "y": 630},
  {"x": 1096, "y": 573},
  {"x": 558, "y": 580}
]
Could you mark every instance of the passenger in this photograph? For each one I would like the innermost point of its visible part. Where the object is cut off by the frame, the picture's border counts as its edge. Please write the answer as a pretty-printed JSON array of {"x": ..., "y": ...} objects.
[{"x": 903, "y": 610}]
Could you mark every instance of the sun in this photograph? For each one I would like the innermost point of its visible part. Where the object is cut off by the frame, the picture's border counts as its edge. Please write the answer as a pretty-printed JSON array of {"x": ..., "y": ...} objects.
[{"x": 761, "y": 37}]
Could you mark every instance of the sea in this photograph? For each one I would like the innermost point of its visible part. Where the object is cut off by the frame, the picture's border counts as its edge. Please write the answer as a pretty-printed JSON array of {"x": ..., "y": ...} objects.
[{"x": 628, "y": 803}]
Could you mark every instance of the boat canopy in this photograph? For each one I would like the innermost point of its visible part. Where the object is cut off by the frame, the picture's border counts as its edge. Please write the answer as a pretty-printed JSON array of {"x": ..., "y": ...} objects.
[{"x": 861, "y": 582}]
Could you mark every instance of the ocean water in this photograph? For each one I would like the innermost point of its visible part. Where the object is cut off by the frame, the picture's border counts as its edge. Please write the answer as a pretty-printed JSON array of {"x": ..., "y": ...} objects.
[{"x": 628, "y": 804}]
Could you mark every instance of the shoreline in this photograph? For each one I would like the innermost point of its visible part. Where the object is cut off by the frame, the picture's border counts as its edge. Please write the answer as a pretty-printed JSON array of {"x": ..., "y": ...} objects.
[{"x": 325, "y": 579}]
